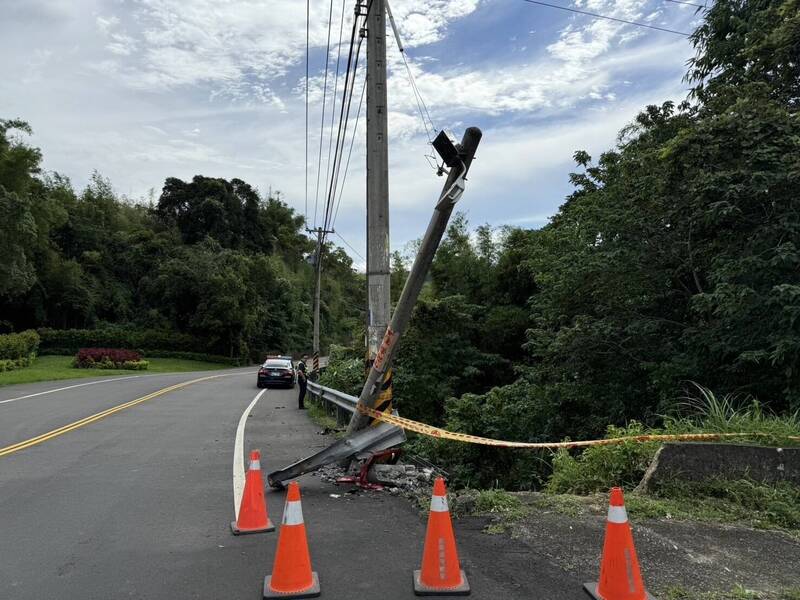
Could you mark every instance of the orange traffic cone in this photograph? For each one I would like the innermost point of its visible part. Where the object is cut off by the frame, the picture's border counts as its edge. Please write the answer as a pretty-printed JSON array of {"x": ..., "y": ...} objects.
[
  {"x": 292, "y": 576},
  {"x": 253, "y": 508},
  {"x": 441, "y": 573},
  {"x": 620, "y": 578}
]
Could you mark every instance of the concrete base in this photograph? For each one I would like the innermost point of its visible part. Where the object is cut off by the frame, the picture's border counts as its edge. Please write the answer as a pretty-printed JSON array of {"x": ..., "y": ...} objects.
[
  {"x": 236, "y": 531},
  {"x": 311, "y": 592},
  {"x": 591, "y": 589},
  {"x": 422, "y": 590}
]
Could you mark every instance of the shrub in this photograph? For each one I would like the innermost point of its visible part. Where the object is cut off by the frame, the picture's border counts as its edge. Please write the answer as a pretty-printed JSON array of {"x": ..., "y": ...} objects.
[
  {"x": 18, "y": 349},
  {"x": 599, "y": 468},
  {"x": 72, "y": 340},
  {"x": 135, "y": 365},
  {"x": 14, "y": 346},
  {"x": 109, "y": 358}
]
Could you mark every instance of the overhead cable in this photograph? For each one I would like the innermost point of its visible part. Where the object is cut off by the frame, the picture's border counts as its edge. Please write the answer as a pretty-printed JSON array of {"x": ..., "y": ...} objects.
[
  {"x": 324, "y": 101},
  {"x": 349, "y": 153},
  {"x": 335, "y": 90},
  {"x": 308, "y": 37},
  {"x": 349, "y": 246},
  {"x": 598, "y": 16}
]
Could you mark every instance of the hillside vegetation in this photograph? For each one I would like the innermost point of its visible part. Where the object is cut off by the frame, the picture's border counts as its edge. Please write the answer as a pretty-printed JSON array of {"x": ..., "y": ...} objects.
[
  {"x": 675, "y": 260},
  {"x": 211, "y": 266}
]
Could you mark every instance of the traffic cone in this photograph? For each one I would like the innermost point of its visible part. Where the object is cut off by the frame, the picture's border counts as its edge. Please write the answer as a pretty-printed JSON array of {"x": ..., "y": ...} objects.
[
  {"x": 292, "y": 576},
  {"x": 253, "y": 508},
  {"x": 441, "y": 573},
  {"x": 620, "y": 578}
]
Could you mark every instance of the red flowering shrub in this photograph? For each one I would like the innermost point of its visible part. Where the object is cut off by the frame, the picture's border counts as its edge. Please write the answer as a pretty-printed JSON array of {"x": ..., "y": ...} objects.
[{"x": 109, "y": 358}]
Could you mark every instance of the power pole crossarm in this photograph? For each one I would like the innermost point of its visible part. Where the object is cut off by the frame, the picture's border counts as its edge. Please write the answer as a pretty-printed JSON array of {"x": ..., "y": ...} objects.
[{"x": 416, "y": 278}]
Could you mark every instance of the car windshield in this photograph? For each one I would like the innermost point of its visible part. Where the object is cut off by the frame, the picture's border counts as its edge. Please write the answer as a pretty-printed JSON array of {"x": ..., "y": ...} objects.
[{"x": 278, "y": 364}]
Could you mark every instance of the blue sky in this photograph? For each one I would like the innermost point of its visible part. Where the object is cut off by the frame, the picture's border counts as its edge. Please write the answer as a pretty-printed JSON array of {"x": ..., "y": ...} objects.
[{"x": 145, "y": 89}]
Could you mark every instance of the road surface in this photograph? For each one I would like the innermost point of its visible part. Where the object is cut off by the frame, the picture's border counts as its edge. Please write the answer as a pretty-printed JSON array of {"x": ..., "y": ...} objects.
[{"x": 136, "y": 503}]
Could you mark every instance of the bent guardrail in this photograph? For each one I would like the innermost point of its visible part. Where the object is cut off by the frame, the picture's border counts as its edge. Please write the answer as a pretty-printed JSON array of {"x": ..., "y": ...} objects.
[{"x": 373, "y": 439}]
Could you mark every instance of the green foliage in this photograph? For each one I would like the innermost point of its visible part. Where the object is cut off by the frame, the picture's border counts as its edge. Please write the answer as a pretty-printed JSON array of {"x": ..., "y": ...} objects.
[
  {"x": 213, "y": 267},
  {"x": 345, "y": 371},
  {"x": 602, "y": 467},
  {"x": 599, "y": 468},
  {"x": 117, "y": 337},
  {"x": 15, "y": 346},
  {"x": 18, "y": 350}
]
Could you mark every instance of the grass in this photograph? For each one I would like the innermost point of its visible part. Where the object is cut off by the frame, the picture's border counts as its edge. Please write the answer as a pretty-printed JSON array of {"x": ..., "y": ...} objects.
[
  {"x": 599, "y": 468},
  {"x": 318, "y": 414},
  {"x": 719, "y": 501},
  {"x": 736, "y": 593},
  {"x": 506, "y": 508},
  {"x": 53, "y": 368}
]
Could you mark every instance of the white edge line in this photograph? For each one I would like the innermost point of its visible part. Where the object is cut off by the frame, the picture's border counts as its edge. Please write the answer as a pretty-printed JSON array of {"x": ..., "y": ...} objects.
[
  {"x": 238, "y": 456},
  {"x": 69, "y": 387}
]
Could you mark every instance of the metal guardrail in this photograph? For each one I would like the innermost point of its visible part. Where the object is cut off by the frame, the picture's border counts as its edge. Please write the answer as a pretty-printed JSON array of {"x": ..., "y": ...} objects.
[
  {"x": 372, "y": 439},
  {"x": 334, "y": 401}
]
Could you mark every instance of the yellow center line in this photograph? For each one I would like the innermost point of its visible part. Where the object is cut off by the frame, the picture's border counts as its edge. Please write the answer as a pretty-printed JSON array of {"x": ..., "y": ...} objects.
[{"x": 97, "y": 416}]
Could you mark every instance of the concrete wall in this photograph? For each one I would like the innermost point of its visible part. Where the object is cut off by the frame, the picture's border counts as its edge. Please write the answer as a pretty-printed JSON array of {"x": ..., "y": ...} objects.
[{"x": 700, "y": 461}]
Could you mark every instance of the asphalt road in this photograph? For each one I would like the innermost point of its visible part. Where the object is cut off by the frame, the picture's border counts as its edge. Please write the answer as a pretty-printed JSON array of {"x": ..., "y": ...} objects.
[{"x": 137, "y": 504}]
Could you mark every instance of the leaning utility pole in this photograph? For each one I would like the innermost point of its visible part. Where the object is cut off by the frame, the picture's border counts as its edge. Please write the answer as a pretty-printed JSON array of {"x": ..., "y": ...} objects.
[
  {"x": 378, "y": 278},
  {"x": 318, "y": 268}
]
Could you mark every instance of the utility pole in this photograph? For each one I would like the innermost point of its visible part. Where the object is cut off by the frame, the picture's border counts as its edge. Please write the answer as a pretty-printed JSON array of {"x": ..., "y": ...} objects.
[
  {"x": 318, "y": 268},
  {"x": 378, "y": 278},
  {"x": 359, "y": 438}
]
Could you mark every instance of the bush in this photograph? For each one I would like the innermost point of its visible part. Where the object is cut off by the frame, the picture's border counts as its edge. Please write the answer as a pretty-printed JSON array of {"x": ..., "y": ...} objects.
[
  {"x": 72, "y": 340},
  {"x": 599, "y": 468},
  {"x": 18, "y": 349},
  {"x": 135, "y": 365},
  {"x": 14, "y": 346},
  {"x": 213, "y": 358},
  {"x": 109, "y": 358},
  {"x": 345, "y": 371}
]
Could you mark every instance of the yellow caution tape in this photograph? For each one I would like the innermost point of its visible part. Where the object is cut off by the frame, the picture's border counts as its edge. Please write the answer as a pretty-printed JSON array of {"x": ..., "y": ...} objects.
[{"x": 437, "y": 432}]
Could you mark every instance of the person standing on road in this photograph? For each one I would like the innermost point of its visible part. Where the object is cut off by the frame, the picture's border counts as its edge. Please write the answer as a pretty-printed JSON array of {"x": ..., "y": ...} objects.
[{"x": 302, "y": 382}]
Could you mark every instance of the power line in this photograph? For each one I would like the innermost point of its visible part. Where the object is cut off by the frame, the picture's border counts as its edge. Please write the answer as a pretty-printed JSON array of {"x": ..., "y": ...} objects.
[
  {"x": 343, "y": 131},
  {"x": 347, "y": 97},
  {"x": 687, "y": 3},
  {"x": 349, "y": 246},
  {"x": 417, "y": 94},
  {"x": 324, "y": 102},
  {"x": 308, "y": 37},
  {"x": 598, "y": 16},
  {"x": 335, "y": 89},
  {"x": 349, "y": 153}
]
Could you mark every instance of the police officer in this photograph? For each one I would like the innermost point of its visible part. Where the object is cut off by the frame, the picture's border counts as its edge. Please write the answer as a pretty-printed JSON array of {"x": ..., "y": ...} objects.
[{"x": 302, "y": 382}]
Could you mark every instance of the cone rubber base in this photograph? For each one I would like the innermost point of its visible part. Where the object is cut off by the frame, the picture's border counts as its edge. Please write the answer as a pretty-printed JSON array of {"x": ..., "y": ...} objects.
[
  {"x": 423, "y": 590},
  {"x": 311, "y": 592},
  {"x": 236, "y": 531},
  {"x": 591, "y": 589}
]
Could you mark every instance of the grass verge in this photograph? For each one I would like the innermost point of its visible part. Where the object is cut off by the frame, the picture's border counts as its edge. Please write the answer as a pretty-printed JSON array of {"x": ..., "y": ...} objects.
[
  {"x": 317, "y": 413},
  {"x": 737, "y": 593},
  {"x": 53, "y": 368}
]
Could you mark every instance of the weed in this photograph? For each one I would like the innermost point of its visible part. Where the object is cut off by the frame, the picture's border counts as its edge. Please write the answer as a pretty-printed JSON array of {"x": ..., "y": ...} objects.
[{"x": 318, "y": 414}]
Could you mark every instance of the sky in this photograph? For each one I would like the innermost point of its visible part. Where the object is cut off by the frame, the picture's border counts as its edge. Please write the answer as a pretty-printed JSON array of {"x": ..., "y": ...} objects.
[{"x": 142, "y": 90}]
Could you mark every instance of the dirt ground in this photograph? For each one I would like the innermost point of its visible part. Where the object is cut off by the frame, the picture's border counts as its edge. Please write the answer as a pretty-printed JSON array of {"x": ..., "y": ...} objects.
[{"x": 679, "y": 559}]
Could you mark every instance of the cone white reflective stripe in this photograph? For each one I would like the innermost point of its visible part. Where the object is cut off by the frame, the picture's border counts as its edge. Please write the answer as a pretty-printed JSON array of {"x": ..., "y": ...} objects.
[
  {"x": 293, "y": 513},
  {"x": 617, "y": 514},
  {"x": 255, "y": 465},
  {"x": 439, "y": 504}
]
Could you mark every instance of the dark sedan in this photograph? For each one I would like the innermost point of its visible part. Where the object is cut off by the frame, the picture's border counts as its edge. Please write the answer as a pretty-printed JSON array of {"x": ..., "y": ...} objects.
[{"x": 276, "y": 372}]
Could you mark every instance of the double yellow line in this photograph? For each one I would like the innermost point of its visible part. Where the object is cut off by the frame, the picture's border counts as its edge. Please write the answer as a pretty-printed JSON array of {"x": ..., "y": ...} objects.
[{"x": 97, "y": 416}]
